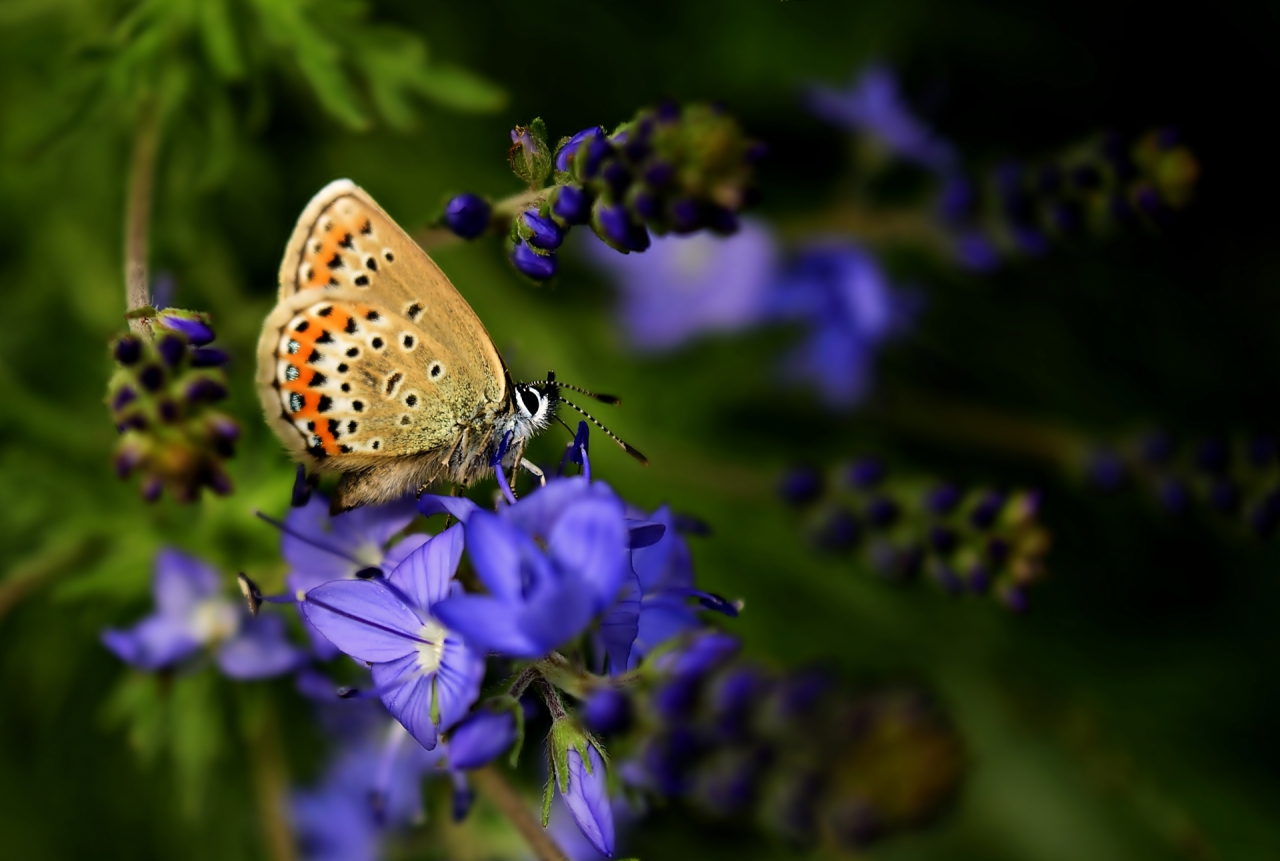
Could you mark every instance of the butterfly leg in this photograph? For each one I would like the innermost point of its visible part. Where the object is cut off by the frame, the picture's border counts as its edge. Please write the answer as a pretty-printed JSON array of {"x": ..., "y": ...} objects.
[{"x": 535, "y": 470}]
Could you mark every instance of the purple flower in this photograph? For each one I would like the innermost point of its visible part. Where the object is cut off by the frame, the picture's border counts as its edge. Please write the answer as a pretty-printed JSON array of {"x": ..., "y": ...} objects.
[
  {"x": 571, "y": 204},
  {"x": 191, "y": 615},
  {"x": 540, "y": 232},
  {"x": 192, "y": 325},
  {"x": 570, "y": 147},
  {"x": 584, "y": 787},
  {"x": 467, "y": 215},
  {"x": 320, "y": 548},
  {"x": 872, "y": 105},
  {"x": 851, "y": 309},
  {"x": 607, "y": 711},
  {"x": 425, "y": 674},
  {"x": 537, "y": 266},
  {"x": 481, "y": 738},
  {"x": 374, "y": 784},
  {"x": 684, "y": 286}
]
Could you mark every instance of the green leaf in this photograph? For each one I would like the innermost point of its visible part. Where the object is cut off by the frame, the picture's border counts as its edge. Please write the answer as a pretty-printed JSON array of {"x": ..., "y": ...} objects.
[
  {"x": 220, "y": 41},
  {"x": 457, "y": 88}
]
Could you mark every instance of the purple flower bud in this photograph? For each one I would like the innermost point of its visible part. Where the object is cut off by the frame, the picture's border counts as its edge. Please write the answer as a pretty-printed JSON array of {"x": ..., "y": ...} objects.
[
  {"x": 1224, "y": 495},
  {"x": 152, "y": 378},
  {"x": 942, "y": 539},
  {"x": 301, "y": 488},
  {"x": 1173, "y": 496},
  {"x": 956, "y": 200},
  {"x": 866, "y": 472},
  {"x": 612, "y": 223},
  {"x": 219, "y": 482},
  {"x": 537, "y": 266},
  {"x": 700, "y": 656},
  {"x": 722, "y": 220},
  {"x": 128, "y": 350},
  {"x": 209, "y": 357},
  {"x": 481, "y": 738},
  {"x": 543, "y": 232},
  {"x": 125, "y": 396},
  {"x": 194, "y": 330},
  {"x": 1105, "y": 470},
  {"x": 607, "y": 711},
  {"x": 838, "y": 531},
  {"x": 882, "y": 511},
  {"x": 586, "y": 794},
  {"x": 152, "y": 488},
  {"x": 987, "y": 510},
  {"x": 205, "y": 390},
  {"x": 127, "y": 459},
  {"x": 975, "y": 252},
  {"x": 979, "y": 579},
  {"x": 801, "y": 485},
  {"x": 942, "y": 499},
  {"x": 168, "y": 411},
  {"x": 1212, "y": 455},
  {"x": 570, "y": 147},
  {"x": 659, "y": 174},
  {"x": 756, "y": 152},
  {"x": 172, "y": 349},
  {"x": 616, "y": 176},
  {"x": 686, "y": 215},
  {"x": 646, "y": 204},
  {"x": 467, "y": 215},
  {"x": 571, "y": 204},
  {"x": 597, "y": 150}
]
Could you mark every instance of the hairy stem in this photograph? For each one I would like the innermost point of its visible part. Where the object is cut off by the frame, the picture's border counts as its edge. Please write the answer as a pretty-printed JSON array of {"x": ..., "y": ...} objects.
[
  {"x": 494, "y": 785},
  {"x": 271, "y": 786},
  {"x": 142, "y": 170}
]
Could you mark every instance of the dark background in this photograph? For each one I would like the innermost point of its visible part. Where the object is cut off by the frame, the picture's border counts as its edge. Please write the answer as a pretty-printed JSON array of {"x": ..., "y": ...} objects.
[{"x": 1130, "y": 715}]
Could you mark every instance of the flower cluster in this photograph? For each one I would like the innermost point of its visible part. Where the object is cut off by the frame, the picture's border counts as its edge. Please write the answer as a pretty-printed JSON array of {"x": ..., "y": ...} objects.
[
  {"x": 1238, "y": 478},
  {"x": 193, "y": 616},
  {"x": 834, "y": 289},
  {"x": 160, "y": 399},
  {"x": 983, "y": 540},
  {"x": 1109, "y": 182},
  {"x": 795, "y": 753},
  {"x": 671, "y": 169}
]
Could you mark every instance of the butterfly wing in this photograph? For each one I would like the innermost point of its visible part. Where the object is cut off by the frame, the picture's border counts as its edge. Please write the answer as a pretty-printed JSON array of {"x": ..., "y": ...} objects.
[
  {"x": 349, "y": 384},
  {"x": 344, "y": 240}
]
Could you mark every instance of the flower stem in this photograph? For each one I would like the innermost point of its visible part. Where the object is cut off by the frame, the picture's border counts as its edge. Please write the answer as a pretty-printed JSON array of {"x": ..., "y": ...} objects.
[
  {"x": 494, "y": 785},
  {"x": 142, "y": 172},
  {"x": 271, "y": 785},
  {"x": 981, "y": 427},
  {"x": 432, "y": 238}
]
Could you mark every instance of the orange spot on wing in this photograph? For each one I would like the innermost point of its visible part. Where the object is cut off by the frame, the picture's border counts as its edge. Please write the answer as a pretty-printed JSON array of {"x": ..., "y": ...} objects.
[
  {"x": 331, "y": 243},
  {"x": 308, "y": 342}
]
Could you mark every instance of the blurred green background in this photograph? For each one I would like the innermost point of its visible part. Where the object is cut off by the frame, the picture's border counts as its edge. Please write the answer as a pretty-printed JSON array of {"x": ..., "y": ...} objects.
[{"x": 1130, "y": 715}]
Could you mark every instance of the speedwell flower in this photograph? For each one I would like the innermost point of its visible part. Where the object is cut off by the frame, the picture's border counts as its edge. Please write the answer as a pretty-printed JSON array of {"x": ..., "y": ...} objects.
[
  {"x": 192, "y": 614},
  {"x": 424, "y": 673}
]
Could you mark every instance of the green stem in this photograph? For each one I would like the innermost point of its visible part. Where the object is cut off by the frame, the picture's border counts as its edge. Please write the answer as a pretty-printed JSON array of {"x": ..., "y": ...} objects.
[
  {"x": 271, "y": 785},
  {"x": 25, "y": 577},
  {"x": 142, "y": 171},
  {"x": 981, "y": 427},
  {"x": 494, "y": 785}
]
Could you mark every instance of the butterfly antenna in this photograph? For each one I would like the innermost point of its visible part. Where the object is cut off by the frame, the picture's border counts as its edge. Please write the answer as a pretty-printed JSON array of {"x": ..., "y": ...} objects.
[
  {"x": 625, "y": 447},
  {"x": 551, "y": 380}
]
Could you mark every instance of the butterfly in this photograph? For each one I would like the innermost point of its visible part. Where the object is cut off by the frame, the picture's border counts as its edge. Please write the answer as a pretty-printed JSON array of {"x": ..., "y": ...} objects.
[{"x": 373, "y": 365}]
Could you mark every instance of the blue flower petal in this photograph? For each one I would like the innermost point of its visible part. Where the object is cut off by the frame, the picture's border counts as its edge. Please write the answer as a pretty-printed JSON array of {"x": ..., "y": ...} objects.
[
  {"x": 459, "y": 506},
  {"x": 153, "y": 644},
  {"x": 180, "y": 582},
  {"x": 259, "y": 650},
  {"x": 487, "y": 624},
  {"x": 426, "y": 573},
  {"x": 589, "y": 541},
  {"x": 645, "y": 533},
  {"x": 554, "y": 614},
  {"x": 481, "y": 738},
  {"x": 619, "y": 627},
  {"x": 407, "y": 695},
  {"x": 496, "y": 551},
  {"x": 587, "y": 798},
  {"x": 458, "y": 680},
  {"x": 401, "y": 551},
  {"x": 364, "y": 619}
]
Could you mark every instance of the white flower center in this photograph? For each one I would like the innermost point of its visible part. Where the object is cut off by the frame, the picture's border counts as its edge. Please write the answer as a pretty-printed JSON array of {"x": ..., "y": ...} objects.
[
  {"x": 432, "y": 649},
  {"x": 214, "y": 620}
]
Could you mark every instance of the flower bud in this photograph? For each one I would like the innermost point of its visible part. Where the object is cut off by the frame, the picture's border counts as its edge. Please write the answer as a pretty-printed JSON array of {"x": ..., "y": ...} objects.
[
  {"x": 191, "y": 325},
  {"x": 537, "y": 266},
  {"x": 571, "y": 204},
  {"x": 580, "y": 776},
  {"x": 467, "y": 215},
  {"x": 540, "y": 231}
]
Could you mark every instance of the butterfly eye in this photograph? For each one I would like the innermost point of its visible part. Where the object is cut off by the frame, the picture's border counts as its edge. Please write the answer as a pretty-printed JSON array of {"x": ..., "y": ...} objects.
[{"x": 531, "y": 401}]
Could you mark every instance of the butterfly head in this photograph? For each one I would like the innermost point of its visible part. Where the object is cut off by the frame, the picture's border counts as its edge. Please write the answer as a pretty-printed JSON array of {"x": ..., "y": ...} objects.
[{"x": 535, "y": 408}]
